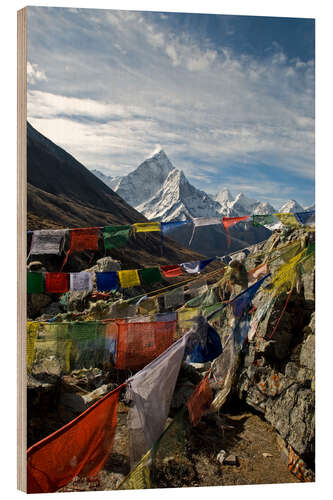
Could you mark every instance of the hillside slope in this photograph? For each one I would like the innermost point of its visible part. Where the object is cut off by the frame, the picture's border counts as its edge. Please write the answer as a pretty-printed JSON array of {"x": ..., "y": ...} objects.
[{"x": 62, "y": 192}]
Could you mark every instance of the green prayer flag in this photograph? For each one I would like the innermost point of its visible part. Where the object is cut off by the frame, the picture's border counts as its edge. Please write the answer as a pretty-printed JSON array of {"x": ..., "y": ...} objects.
[
  {"x": 89, "y": 347},
  {"x": 35, "y": 282},
  {"x": 261, "y": 220},
  {"x": 150, "y": 275},
  {"x": 116, "y": 236}
]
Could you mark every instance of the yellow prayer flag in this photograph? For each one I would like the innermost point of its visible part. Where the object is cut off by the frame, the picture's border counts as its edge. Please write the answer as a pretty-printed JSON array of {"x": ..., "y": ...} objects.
[
  {"x": 148, "y": 306},
  {"x": 145, "y": 227},
  {"x": 129, "y": 278},
  {"x": 184, "y": 316},
  {"x": 139, "y": 478},
  {"x": 288, "y": 219},
  {"x": 32, "y": 334}
]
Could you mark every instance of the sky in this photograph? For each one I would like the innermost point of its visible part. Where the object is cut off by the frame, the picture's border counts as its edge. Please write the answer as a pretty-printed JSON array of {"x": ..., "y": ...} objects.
[{"x": 230, "y": 99}]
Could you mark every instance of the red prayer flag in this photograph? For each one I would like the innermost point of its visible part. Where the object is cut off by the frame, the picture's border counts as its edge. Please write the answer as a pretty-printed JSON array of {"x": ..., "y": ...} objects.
[
  {"x": 229, "y": 222},
  {"x": 140, "y": 343},
  {"x": 56, "y": 282},
  {"x": 82, "y": 239},
  {"x": 171, "y": 271},
  {"x": 200, "y": 401},
  {"x": 80, "y": 448}
]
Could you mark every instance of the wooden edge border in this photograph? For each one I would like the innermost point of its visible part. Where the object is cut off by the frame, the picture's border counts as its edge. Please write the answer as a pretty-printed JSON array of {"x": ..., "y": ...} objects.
[{"x": 21, "y": 247}]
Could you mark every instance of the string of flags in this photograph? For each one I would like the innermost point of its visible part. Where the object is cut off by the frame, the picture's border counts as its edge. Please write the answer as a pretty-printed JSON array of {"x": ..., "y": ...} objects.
[
  {"x": 57, "y": 241},
  {"x": 62, "y": 282}
]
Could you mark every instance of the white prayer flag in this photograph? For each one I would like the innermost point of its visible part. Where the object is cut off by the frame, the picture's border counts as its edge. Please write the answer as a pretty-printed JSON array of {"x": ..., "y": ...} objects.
[
  {"x": 151, "y": 391},
  {"x": 207, "y": 221},
  {"x": 47, "y": 241},
  {"x": 81, "y": 281}
]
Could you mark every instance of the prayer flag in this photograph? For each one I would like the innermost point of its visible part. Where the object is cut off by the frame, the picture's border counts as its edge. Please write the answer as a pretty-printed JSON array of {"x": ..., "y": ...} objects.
[
  {"x": 150, "y": 275},
  {"x": 223, "y": 369},
  {"x": 54, "y": 343},
  {"x": 148, "y": 306},
  {"x": 200, "y": 401},
  {"x": 240, "y": 303},
  {"x": 229, "y": 222},
  {"x": 171, "y": 271},
  {"x": 116, "y": 236},
  {"x": 80, "y": 281},
  {"x": 106, "y": 281},
  {"x": 89, "y": 344},
  {"x": 208, "y": 347},
  {"x": 139, "y": 478},
  {"x": 305, "y": 217},
  {"x": 288, "y": 219},
  {"x": 256, "y": 273},
  {"x": 129, "y": 278},
  {"x": 206, "y": 221},
  {"x": 191, "y": 267},
  {"x": 145, "y": 227},
  {"x": 167, "y": 316},
  {"x": 262, "y": 220},
  {"x": 56, "y": 282},
  {"x": 204, "y": 263},
  {"x": 79, "y": 448},
  {"x": 140, "y": 343},
  {"x": 186, "y": 317},
  {"x": 167, "y": 226},
  {"x": 174, "y": 298},
  {"x": 82, "y": 239},
  {"x": 35, "y": 282},
  {"x": 47, "y": 241},
  {"x": 32, "y": 334},
  {"x": 122, "y": 309},
  {"x": 111, "y": 335},
  {"x": 151, "y": 392}
]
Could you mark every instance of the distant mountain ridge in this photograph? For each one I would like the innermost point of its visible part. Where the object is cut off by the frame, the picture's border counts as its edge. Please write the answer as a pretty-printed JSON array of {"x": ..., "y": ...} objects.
[{"x": 162, "y": 192}]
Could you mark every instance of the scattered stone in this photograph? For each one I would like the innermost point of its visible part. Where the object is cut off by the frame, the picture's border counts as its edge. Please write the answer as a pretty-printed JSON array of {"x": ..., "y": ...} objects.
[
  {"x": 267, "y": 455},
  {"x": 221, "y": 456},
  {"x": 231, "y": 460}
]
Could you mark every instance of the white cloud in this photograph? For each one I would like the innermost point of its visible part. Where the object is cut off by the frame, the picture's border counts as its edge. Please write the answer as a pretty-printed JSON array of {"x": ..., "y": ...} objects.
[
  {"x": 137, "y": 85},
  {"x": 34, "y": 74}
]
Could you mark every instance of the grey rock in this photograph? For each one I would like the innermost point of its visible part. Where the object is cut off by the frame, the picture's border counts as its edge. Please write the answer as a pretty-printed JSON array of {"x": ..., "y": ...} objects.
[
  {"x": 106, "y": 264},
  {"x": 307, "y": 356}
]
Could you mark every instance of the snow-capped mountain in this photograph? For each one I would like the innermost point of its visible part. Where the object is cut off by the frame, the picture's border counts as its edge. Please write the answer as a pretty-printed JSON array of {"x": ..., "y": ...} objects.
[
  {"x": 145, "y": 181},
  {"x": 177, "y": 199},
  {"x": 241, "y": 205},
  {"x": 291, "y": 206},
  {"x": 161, "y": 192},
  {"x": 224, "y": 197}
]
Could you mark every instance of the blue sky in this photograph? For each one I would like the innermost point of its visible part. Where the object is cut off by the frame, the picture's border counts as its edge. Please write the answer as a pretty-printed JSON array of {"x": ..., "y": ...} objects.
[{"x": 230, "y": 99}]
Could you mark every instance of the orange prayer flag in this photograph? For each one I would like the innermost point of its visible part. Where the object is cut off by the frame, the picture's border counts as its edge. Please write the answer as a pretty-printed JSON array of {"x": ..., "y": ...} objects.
[
  {"x": 200, "y": 401},
  {"x": 79, "y": 448}
]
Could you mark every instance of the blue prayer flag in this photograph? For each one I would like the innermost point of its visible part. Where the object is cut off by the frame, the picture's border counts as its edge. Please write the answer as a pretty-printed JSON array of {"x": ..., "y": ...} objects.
[
  {"x": 305, "y": 217},
  {"x": 166, "y": 226},
  {"x": 204, "y": 263},
  {"x": 241, "y": 302},
  {"x": 106, "y": 281}
]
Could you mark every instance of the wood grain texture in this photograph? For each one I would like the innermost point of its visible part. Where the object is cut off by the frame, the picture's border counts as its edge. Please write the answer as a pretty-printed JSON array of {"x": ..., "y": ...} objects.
[{"x": 21, "y": 246}]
